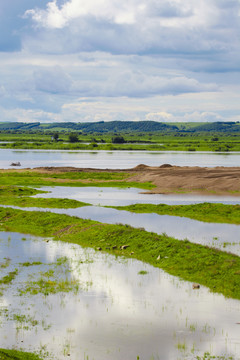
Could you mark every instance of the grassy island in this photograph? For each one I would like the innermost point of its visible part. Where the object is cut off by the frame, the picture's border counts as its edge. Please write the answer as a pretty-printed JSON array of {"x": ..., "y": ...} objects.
[{"x": 207, "y": 212}]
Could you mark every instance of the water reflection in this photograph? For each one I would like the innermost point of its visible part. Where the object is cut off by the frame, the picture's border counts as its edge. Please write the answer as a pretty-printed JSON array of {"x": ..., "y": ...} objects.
[
  {"x": 117, "y": 314},
  {"x": 117, "y": 197}
]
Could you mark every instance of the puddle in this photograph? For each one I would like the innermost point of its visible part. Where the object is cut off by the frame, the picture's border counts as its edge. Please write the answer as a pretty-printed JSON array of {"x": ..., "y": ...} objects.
[{"x": 116, "y": 312}]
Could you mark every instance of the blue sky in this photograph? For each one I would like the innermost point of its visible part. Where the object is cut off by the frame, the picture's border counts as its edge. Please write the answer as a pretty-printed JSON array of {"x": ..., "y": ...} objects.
[{"x": 77, "y": 60}]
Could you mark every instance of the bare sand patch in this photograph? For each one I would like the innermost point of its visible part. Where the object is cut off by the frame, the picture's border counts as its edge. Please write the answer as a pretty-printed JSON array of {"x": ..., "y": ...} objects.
[{"x": 171, "y": 179}]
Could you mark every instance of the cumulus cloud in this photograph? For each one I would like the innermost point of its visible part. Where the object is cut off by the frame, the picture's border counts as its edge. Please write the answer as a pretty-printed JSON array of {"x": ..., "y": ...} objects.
[
  {"x": 29, "y": 115},
  {"x": 55, "y": 16},
  {"x": 205, "y": 116},
  {"x": 150, "y": 27},
  {"x": 100, "y": 110},
  {"x": 12, "y": 23},
  {"x": 57, "y": 51},
  {"x": 159, "y": 116}
]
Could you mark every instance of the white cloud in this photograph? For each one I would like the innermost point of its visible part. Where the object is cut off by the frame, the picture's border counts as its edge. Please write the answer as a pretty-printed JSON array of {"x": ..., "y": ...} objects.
[
  {"x": 55, "y": 16},
  {"x": 130, "y": 26},
  {"x": 159, "y": 116},
  {"x": 29, "y": 116},
  {"x": 182, "y": 58},
  {"x": 202, "y": 117}
]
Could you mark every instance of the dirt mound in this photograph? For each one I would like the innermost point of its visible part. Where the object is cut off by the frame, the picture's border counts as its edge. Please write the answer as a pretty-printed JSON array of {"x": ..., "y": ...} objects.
[
  {"x": 165, "y": 166},
  {"x": 140, "y": 167}
]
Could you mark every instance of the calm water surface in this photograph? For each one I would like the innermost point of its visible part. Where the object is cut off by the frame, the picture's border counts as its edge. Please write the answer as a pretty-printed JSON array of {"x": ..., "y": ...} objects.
[
  {"x": 116, "y": 313},
  {"x": 116, "y": 197},
  {"x": 114, "y": 159}
]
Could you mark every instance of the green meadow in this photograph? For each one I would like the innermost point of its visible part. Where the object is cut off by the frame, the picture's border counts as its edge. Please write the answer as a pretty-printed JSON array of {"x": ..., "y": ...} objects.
[{"x": 80, "y": 179}]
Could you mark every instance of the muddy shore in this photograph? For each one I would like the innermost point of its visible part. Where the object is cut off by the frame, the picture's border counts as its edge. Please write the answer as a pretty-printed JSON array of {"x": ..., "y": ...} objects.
[{"x": 172, "y": 179}]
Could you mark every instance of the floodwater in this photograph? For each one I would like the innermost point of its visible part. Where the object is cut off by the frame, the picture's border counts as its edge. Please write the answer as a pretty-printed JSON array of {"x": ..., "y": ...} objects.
[
  {"x": 114, "y": 159},
  {"x": 116, "y": 313},
  {"x": 118, "y": 197},
  {"x": 221, "y": 236}
]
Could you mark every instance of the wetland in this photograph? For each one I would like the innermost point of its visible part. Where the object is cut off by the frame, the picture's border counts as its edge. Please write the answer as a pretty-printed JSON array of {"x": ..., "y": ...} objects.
[
  {"x": 69, "y": 301},
  {"x": 92, "y": 262}
]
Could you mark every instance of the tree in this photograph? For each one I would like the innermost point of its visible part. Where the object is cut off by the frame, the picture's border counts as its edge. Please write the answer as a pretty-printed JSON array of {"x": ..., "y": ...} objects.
[
  {"x": 55, "y": 136},
  {"x": 73, "y": 137},
  {"x": 118, "y": 140}
]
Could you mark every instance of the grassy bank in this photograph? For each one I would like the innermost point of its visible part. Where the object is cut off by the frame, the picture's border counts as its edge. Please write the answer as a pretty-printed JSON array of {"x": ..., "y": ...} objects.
[
  {"x": 217, "y": 270},
  {"x": 78, "y": 178},
  {"x": 207, "y": 212},
  {"x": 20, "y": 196},
  {"x": 17, "y": 355}
]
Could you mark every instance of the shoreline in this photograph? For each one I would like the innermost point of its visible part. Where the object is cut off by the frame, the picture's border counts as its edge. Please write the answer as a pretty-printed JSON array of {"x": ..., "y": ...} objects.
[{"x": 167, "y": 179}]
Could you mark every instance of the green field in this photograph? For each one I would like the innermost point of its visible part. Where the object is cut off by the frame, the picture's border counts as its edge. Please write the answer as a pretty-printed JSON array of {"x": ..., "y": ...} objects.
[{"x": 151, "y": 136}]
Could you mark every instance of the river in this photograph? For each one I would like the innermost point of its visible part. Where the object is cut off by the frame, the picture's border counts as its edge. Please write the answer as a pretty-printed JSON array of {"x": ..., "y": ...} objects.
[{"x": 114, "y": 159}]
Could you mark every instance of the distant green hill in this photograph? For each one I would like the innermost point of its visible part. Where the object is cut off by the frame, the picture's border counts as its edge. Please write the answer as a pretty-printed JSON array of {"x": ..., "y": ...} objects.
[
  {"x": 218, "y": 127},
  {"x": 101, "y": 127},
  {"x": 18, "y": 125},
  {"x": 122, "y": 126},
  {"x": 115, "y": 126}
]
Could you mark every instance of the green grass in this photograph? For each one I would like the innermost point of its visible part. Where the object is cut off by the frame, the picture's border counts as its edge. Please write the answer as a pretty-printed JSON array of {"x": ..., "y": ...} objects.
[
  {"x": 142, "y": 272},
  {"x": 19, "y": 196},
  {"x": 34, "y": 263},
  {"x": 141, "y": 140},
  {"x": 151, "y": 141},
  {"x": 208, "y": 356},
  {"x": 9, "y": 190},
  {"x": 7, "y": 279},
  {"x": 217, "y": 270},
  {"x": 78, "y": 179},
  {"x": 42, "y": 203},
  {"x": 47, "y": 286},
  {"x": 208, "y": 212},
  {"x": 50, "y": 281},
  {"x": 17, "y": 355}
]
